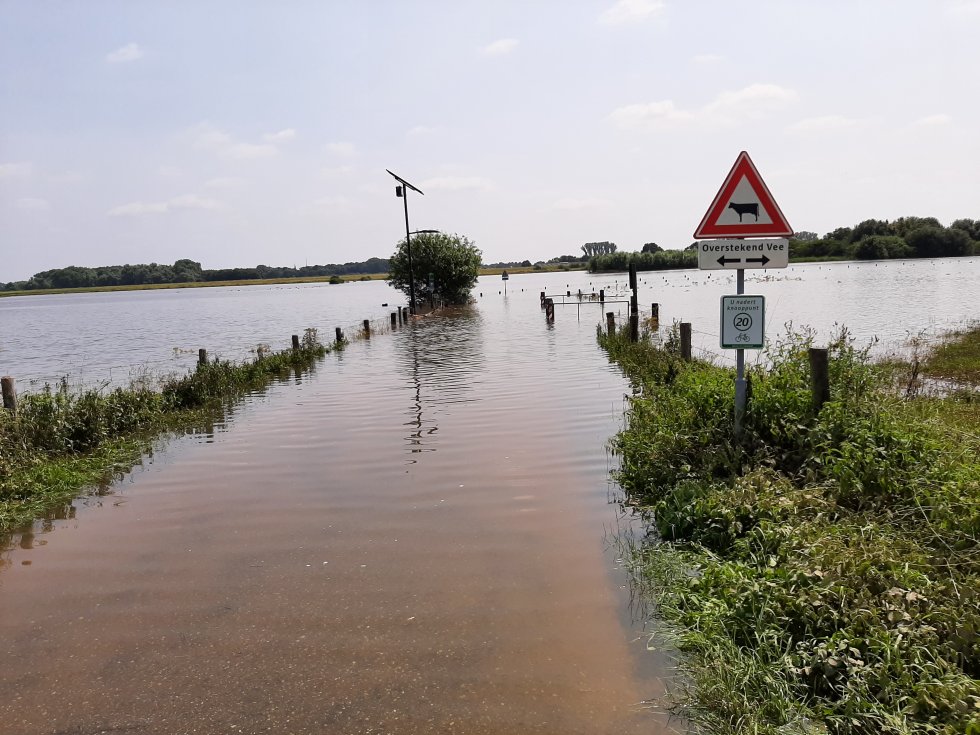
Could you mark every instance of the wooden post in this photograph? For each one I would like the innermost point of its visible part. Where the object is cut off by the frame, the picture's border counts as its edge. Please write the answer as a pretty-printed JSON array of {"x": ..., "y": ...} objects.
[
  {"x": 340, "y": 334},
  {"x": 542, "y": 299},
  {"x": 655, "y": 317},
  {"x": 686, "y": 341},
  {"x": 401, "y": 319},
  {"x": 568, "y": 294},
  {"x": 295, "y": 341},
  {"x": 394, "y": 319},
  {"x": 202, "y": 356},
  {"x": 610, "y": 323},
  {"x": 602, "y": 295},
  {"x": 819, "y": 377},
  {"x": 367, "y": 328},
  {"x": 634, "y": 327},
  {"x": 549, "y": 310},
  {"x": 9, "y": 394}
]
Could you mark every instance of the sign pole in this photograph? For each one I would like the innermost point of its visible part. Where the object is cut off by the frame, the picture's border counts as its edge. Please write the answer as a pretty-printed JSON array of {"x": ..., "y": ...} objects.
[{"x": 739, "y": 367}]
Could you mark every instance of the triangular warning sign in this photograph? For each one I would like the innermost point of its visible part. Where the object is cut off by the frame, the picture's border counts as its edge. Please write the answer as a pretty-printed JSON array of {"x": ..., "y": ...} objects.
[{"x": 743, "y": 207}]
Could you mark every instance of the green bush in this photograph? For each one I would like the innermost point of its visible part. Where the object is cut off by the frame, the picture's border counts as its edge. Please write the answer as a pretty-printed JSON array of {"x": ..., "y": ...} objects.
[{"x": 826, "y": 566}]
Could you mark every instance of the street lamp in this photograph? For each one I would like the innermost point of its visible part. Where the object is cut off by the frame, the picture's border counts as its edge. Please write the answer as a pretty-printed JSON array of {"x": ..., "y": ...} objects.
[{"x": 402, "y": 191}]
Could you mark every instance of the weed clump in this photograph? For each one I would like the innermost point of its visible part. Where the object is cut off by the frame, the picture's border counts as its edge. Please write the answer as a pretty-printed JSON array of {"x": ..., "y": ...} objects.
[{"x": 821, "y": 573}]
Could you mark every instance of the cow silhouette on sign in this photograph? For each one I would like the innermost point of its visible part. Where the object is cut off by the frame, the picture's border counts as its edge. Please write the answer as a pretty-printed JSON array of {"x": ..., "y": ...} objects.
[{"x": 741, "y": 209}]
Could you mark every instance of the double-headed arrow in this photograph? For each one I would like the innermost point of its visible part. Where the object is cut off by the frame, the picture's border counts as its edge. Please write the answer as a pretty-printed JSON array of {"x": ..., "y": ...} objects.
[{"x": 723, "y": 261}]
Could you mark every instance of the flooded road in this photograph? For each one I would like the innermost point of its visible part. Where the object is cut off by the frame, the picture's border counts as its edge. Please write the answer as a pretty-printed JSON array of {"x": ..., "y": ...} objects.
[{"x": 410, "y": 540}]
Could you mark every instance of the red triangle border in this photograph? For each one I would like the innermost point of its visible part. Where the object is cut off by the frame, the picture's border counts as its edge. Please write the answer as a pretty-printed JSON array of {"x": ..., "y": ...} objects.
[{"x": 709, "y": 227}]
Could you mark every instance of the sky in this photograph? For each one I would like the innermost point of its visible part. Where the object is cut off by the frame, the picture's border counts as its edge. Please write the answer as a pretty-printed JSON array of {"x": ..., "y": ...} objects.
[{"x": 239, "y": 133}]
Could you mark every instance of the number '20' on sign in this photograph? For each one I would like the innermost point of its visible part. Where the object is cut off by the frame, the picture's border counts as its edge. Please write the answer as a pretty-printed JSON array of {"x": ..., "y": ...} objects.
[{"x": 743, "y": 318}]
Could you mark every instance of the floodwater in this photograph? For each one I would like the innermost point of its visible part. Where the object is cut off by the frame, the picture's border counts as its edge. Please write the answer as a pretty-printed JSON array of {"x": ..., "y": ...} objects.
[{"x": 414, "y": 538}]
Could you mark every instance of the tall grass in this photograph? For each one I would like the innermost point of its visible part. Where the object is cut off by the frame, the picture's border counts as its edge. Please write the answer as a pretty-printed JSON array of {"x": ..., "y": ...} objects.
[
  {"x": 822, "y": 574},
  {"x": 61, "y": 440}
]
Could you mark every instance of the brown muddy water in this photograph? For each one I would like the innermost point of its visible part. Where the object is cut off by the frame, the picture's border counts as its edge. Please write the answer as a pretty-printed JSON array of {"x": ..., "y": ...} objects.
[{"x": 414, "y": 539}]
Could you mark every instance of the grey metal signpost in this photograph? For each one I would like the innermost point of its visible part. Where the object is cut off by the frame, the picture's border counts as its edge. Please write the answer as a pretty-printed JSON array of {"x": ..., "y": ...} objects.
[{"x": 742, "y": 208}]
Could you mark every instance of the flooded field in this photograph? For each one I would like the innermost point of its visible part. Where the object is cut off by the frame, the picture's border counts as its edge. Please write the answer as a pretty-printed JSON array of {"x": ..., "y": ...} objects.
[{"x": 415, "y": 538}]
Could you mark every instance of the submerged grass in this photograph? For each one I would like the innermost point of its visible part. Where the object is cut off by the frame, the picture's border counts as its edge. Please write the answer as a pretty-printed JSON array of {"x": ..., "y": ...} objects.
[
  {"x": 62, "y": 441},
  {"x": 822, "y": 574}
]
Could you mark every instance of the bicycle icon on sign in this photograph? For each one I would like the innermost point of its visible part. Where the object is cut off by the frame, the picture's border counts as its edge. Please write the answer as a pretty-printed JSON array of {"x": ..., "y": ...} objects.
[{"x": 743, "y": 337}]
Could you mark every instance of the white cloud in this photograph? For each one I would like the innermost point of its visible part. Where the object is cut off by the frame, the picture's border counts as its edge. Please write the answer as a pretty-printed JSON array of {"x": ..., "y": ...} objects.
[
  {"x": 32, "y": 204},
  {"x": 341, "y": 148},
  {"x": 824, "y": 123},
  {"x": 336, "y": 170},
  {"x": 185, "y": 201},
  {"x": 748, "y": 103},
  {"x": 708, "y": 59},
  {"x": 22, "y": 168},
  {"x": 224, "y": 182},
  {"x": 939, "y": 119},
  {"x": 964, "y": 8},
  {"x": 420, "y": 130},
  {"x": 639, "y": 116},
  {"x": 499, "y": 47},
  {"x": 210, "y": 138},
  {"x": 333, "y": 204},
  {"x": 66, "y": 177},
  {"x": 168, "y": 171},
  {"x": 281, "y": 136},
  {"x": 632, "y": 11},
  {"x": 572, "y": 204},
  {"x": 457, "y": 183},
  {"x": 753, "y": 97},
  {"x": 129, "y": 52}
]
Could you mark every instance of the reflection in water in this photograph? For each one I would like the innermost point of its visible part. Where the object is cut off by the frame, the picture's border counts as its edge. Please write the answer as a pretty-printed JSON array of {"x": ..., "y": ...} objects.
[{"x": 440, "y": 356}]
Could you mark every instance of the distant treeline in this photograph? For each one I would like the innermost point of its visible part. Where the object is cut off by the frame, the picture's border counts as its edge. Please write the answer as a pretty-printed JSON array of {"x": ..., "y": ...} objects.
[
  {"x": 906, "y": 237},
  {"x": 872, "y": 239},
  {"x": 662, "y": 260},
  {"x": 182, "y": 271}
]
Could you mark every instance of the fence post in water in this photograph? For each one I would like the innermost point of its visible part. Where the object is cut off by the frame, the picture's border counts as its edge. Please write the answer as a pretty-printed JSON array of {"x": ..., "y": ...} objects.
[
  {"x": 340, "y": 334},
  {"x": 9, "y": 394},
  {"x": 686, "y": 341},
  {"x": 610, "y": 323},
  {"x": 542, "y": 299},
  {"x": 367, "y": 328},
  {"x": 819, "y": 377},
  {"x": 394, "y": 319},
  {"x": 655, "y": 317},
  {"x": 602, "y": 295},
  {"x": 202, "y": 356},
  {"x": 549, "y": 310},
  {"x": 295, "y": 342}
]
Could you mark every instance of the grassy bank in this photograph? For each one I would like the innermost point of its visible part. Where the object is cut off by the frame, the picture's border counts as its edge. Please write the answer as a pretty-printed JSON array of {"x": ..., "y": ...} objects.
[
  {"x": 822, "y": 574},
  {"x": 62, "y": 441},
  {"x": 196, "y": 284}
]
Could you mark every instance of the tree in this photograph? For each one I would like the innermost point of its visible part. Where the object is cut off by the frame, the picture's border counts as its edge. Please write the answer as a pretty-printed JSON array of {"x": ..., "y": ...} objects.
[
  {"x": 598, "y": 248},
  {"x": 970, "y": 226},
  {"x": 651, "y": 247},
  {"x": 452, "y": 260},
  {"x": 904, "y": 225},
  {"x": 870, "y": 227},
  {"x": 939, "y": 242},
  {"x": 805, "y": 236}
]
